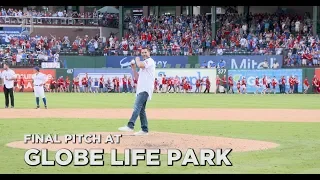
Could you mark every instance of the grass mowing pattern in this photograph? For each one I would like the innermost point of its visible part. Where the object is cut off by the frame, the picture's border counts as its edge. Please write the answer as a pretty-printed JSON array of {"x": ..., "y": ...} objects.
[
  {"x": 298, "y": 151},
  {"x": 72, "y": 100}
]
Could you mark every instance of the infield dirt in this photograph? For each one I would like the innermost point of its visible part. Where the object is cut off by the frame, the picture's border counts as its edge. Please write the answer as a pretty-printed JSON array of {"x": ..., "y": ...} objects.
[{"x": 165, "y": 140}]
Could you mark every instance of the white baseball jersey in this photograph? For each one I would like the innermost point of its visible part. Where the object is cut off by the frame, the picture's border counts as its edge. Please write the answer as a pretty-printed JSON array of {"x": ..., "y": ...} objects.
[
  {"x": 146, "y": 77},
  {"x": 38, "y": 79},
  {"x": 7, "y": 74}
]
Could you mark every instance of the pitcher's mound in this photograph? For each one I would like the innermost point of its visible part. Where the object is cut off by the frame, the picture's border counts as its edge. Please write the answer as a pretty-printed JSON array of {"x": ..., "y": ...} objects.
[{"x": 160, "y": 140}]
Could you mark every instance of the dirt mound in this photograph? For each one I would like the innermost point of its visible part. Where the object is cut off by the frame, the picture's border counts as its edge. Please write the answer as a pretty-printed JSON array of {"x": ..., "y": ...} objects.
[{"x": 160, "y": 140}]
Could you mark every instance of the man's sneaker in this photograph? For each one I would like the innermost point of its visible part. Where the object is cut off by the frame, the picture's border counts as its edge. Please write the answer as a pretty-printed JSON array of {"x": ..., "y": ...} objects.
[
  {"x": 46, "y": 107},
  {"x": 6, "y": 107},
  {"x": 141, "y": 133},
  {"x": 12, "y": 107},
  {"x": 37, "y": 107},
  {"x": 125, "y": 129}
]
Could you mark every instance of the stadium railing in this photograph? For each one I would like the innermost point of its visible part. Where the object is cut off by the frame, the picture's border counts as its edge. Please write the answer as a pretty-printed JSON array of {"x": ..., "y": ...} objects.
[{"x": 57, "y": 21}]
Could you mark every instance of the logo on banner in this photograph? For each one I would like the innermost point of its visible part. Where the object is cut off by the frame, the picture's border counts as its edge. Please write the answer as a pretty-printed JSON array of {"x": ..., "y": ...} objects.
[
  {"x": 70, "y": 71},
  {"x": 125, "y": 63},
  {"x": 250, "y": 63},
  {"x": 237, "y": 77}
]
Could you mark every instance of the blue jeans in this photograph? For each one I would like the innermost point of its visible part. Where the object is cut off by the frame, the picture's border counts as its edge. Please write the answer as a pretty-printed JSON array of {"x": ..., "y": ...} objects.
[{"x": 140, "y": 110}]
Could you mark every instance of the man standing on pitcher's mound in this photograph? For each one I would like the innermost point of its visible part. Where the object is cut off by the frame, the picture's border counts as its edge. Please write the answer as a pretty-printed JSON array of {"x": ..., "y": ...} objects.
[{"x": 145, "y": 87}]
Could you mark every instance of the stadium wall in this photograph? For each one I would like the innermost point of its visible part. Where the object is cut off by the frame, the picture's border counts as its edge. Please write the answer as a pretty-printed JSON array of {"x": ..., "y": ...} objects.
[
  {"x": 232, "y": 61},
  {"x": 83, "y": 61}
]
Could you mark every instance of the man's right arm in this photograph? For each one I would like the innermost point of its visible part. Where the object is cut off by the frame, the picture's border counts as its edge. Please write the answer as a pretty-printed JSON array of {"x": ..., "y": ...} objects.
[
  {"x": 134, "y": 70},
  {"x": 135, "y": 74}
]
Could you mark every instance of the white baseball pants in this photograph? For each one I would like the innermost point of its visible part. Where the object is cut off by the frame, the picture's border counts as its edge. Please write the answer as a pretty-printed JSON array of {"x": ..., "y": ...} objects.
[{"x": 39, "y": 91}]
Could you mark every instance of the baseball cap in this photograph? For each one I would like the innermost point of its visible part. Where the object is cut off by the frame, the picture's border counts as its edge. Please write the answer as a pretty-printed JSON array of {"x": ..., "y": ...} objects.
[{"x": 37, "y": 68}]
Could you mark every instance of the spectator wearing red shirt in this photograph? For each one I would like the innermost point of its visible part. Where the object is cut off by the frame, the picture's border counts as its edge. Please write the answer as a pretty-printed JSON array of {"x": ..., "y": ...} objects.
[
  {"x": 306, "y": 85},
  {"x": 230, "y": 82},
  {"x": 198, "y": 84},
  {"x": 208, "y": 84},
  {"x": 125, "y": 84}
]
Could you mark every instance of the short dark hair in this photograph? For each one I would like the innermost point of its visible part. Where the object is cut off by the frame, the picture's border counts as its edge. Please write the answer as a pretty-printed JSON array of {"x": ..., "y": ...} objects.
[
  {"x": 146, "y": 48},
  {"x": 6, "y": 63}
]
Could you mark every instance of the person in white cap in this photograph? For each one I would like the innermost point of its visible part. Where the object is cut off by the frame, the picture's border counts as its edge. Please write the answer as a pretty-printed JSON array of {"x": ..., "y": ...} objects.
[
  {"x": 145, "y": 87},
  {"x": 39, "y": 81}
]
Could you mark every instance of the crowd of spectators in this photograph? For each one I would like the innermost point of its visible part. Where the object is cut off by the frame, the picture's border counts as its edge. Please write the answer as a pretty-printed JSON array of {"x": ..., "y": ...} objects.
[
  {"x": 94, "y": 18},
  {"x": 254, "y": 34}
]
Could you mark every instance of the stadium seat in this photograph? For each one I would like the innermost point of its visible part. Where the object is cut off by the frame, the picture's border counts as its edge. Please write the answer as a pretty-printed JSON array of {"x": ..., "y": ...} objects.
[
  {"x": 178, "y": 65},
  {"x": 168, "y": 65},
  {"x": 188, "y": 66},
  {"x": 159, "y": 65},
  {"x": 67, "y": 53},
  {"x": 197, "y": 66}
]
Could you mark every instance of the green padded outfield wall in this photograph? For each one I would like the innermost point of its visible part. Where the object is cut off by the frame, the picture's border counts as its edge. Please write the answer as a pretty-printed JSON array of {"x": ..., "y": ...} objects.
[
  {"x": 83, "y": 61},
  {"x": 192, "y": 60},
  {"x": 308, "y": 72},
  {"x": 65, "y": 73}
]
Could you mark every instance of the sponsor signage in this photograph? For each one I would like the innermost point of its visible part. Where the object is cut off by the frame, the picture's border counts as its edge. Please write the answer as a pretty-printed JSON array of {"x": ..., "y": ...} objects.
[
  {"x": 6, "y": 33},
  {"x": 50, "y": 65},
  {"x": 191, "y": 74},
  {"x": 251, "y": 75},
  {"x": 242, "y": 62},
  {"x": 124, "y": 61},
  {"x": 97, "y": 73},
  {"x": 27, "y": 76}
]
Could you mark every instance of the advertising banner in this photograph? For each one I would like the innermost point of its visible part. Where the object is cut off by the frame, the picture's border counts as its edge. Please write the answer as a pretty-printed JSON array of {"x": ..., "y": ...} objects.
[
  {"x": 251, "y": 75},
  {"x": 191, "y": 74},
  {"x": 50, "y": 65},
  {"x": 242, "y": 62},
  {"x": 27, "y": 75},
  {"x": 124, "y": 61},
  {"x": 317, "y": 73},
  {"x": 106, "y": 72},
  {"x": 9, "y": 32}
]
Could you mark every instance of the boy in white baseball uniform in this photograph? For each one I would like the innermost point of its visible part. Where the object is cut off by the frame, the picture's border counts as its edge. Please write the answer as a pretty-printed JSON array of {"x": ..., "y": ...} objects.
[{"x": 39, "y": 80}]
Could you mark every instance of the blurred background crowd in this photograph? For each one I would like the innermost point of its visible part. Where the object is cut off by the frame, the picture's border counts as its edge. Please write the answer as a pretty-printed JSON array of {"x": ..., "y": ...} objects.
[{"x": 287, "y": 34}]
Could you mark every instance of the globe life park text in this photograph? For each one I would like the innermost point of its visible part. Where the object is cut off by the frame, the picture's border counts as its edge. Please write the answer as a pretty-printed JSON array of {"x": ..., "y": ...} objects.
[{"x": 130, "y": 157}]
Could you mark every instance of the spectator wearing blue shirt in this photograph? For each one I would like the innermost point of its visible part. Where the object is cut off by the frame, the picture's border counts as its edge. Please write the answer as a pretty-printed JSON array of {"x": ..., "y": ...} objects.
[
  {"x": 221, "y": 64},
  {"x": 186, "y": 50},
  {"x": 249, "y": 36},
  {"x": 266, "y": 26},
  {"x": 212, "y": 65},
  {"x": 24, "y": 58},
  {"x": 91, "y": 48},
  {"x": 204, "y": 64}
]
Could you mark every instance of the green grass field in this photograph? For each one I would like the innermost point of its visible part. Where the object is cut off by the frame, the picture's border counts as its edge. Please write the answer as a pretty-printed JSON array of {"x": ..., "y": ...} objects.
[
  {"x": 299, "y": 142},
  {"x": 66, "y": 100}
]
